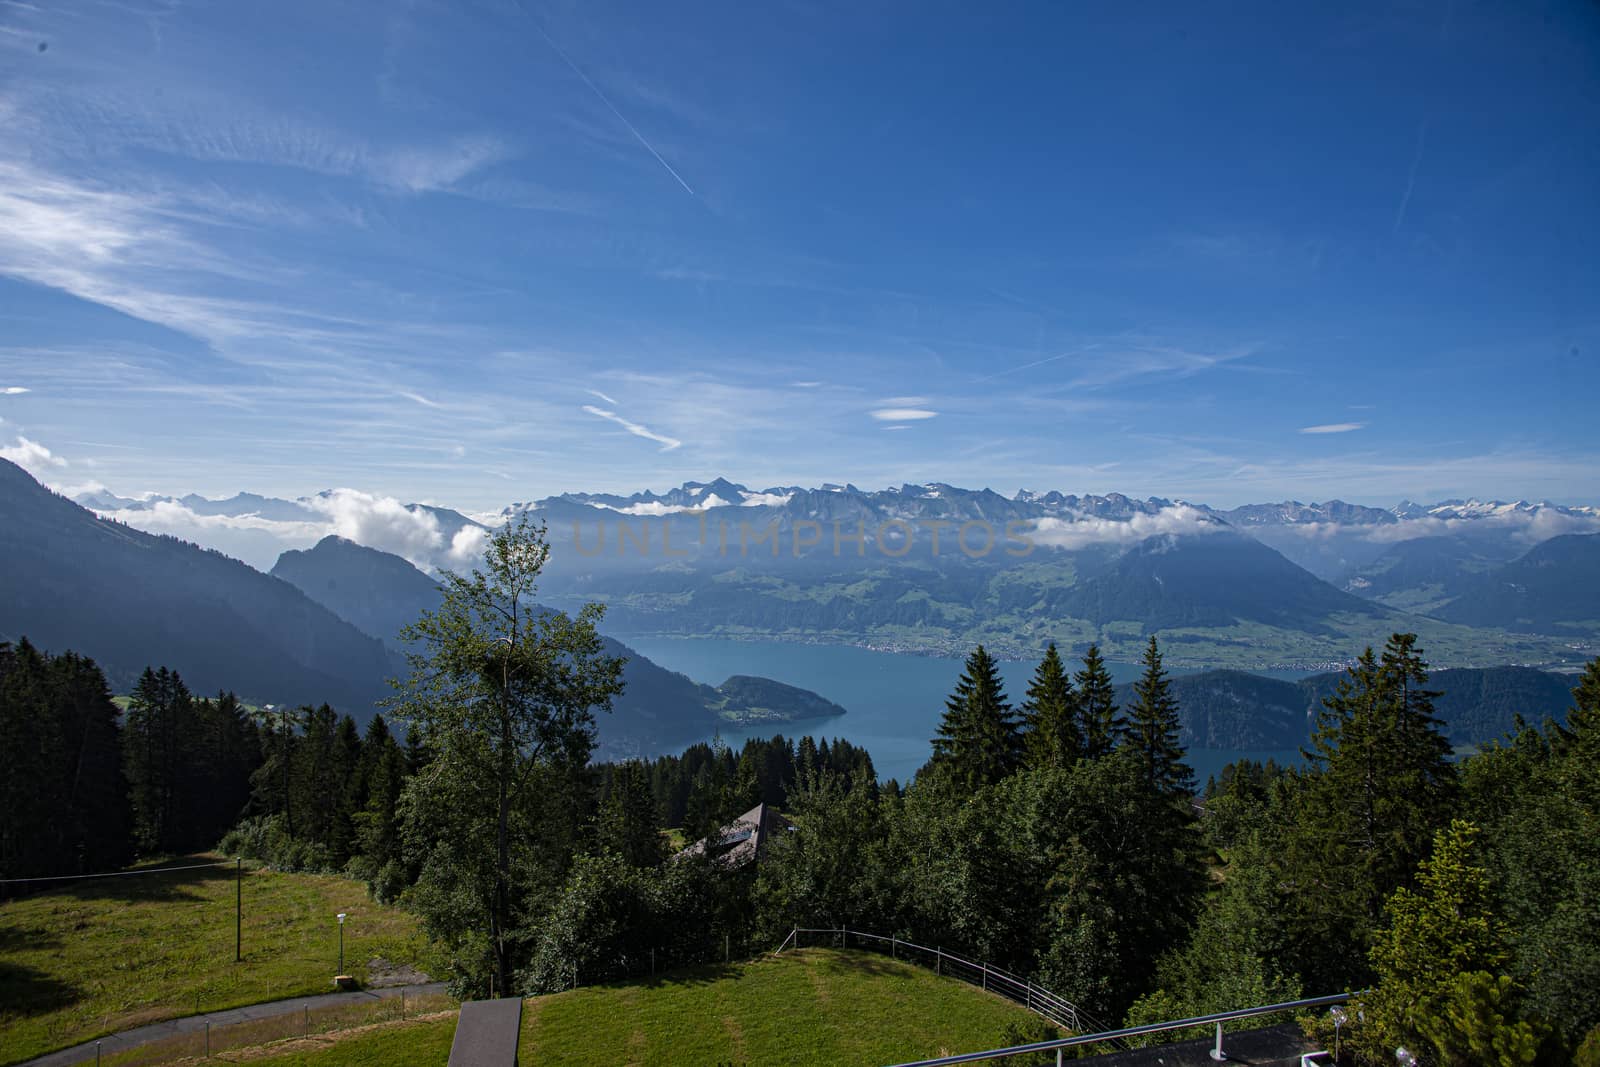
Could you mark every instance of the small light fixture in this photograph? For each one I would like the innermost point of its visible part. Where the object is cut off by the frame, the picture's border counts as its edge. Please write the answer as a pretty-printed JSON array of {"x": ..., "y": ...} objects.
[{"x": 1404, "y": 1058}]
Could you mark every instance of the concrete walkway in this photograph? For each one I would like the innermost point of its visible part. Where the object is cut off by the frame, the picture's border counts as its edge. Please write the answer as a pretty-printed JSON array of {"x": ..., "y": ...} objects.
[{"x": 121, "y": 1042}]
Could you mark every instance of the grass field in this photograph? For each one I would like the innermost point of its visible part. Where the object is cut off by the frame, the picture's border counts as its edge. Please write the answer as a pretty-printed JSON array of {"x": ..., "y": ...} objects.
[
  {"x": 109, "y": 954},
  {"x": 813, "y": 1006}
]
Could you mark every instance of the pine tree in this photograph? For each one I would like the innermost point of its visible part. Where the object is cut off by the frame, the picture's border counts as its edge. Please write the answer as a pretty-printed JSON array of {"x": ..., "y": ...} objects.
[
  {"x": 629, "y": 820},
  {"x": 1438, "y": 961},
  {"x": 159, "y": 731},
  {"x": 1097, "y": 705},
  {"x": 1380, "y": 786},
  {"x": 978, "y": 738},
  {"x": 1153, "y": 730},
  {"x": 64, "y": 804},
  {"x": 1053, "y": 737}
]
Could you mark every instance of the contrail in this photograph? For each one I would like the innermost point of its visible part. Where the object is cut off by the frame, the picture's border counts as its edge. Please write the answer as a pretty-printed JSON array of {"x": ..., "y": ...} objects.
[
  {"x": 595, "y": 89},
  {"x": 1411, "y": 179},
  {"x": 1037, "y": 363}
]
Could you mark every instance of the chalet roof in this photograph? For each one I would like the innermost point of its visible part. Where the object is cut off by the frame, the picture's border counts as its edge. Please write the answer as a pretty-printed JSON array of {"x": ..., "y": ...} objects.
[{"x": 745, "y": 839}]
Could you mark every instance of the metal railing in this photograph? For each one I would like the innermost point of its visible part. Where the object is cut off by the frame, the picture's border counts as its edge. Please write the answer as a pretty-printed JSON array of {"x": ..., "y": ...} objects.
[
  {"x": 1013, "y": 987},
  {"x": 1058, "y": 1045}
]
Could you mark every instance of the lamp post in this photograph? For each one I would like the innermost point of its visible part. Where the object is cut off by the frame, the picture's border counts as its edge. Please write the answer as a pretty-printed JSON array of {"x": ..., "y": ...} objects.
[
  {"x": 1340, "y": 1017},
  {"x": 341, "y": 942}
]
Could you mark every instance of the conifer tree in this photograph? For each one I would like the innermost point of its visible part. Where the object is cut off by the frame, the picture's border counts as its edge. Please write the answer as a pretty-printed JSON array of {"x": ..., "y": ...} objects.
[
  {"x": 1053, "y": 737},
  {"x": 1097, "y": 705},
  {"x": 629, "y": 820},
  {"x": 978, "y": 738},
  {"x": 1153, "y": 730},
  {"x": 1380, "y": 786},
  {"x": 64, "y": 804},
  {"x": 160, "y": 723}
]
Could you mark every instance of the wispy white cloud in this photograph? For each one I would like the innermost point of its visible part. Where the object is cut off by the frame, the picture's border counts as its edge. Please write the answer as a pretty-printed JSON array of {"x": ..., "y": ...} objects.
[
  {"x": 902, "y": 414},
  {"x": 1179, "y": 519},
  {"x": 30, "y": 455},
  {"x": 420, "y": 399},
  {"x": 667, "y": 443},
  {"x": 602, "y": 396},
  {"x": 1334, "y": 427},
  {"x": 13, "y": 390}
]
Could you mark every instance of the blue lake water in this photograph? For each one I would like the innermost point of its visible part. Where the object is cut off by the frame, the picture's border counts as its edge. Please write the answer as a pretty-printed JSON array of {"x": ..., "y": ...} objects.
[{"x": 893, "y": 700}]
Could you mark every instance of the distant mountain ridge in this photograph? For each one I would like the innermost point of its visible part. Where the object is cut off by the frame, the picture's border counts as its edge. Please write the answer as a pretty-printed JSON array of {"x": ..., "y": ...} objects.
[{"x": 936, "y": 568}]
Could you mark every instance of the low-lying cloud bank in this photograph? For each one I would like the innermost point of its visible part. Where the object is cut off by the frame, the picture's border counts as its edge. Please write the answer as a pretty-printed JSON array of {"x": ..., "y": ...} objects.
[
  {"x": 380, "y": 522},
  {"x": 1527, "y": 526},
  {"x": 1177, "y": 519}
]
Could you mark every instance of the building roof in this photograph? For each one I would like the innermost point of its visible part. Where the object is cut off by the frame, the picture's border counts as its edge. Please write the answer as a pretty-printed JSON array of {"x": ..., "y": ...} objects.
[{"x": 745, "y": 839}]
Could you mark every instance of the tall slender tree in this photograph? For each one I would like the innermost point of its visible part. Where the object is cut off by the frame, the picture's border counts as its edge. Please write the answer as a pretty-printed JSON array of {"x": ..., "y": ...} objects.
[
  {"x": 504, "y": 693},
  {"x": 978, "y": 738},
  {"x": 1054, "y": 737},
  {"x": 1097, "y": 705},
  {"x": 1153, "y": 729}
]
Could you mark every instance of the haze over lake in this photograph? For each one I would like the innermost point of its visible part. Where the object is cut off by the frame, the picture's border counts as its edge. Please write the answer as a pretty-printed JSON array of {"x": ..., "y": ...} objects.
[{"x": 893, "y": 699}]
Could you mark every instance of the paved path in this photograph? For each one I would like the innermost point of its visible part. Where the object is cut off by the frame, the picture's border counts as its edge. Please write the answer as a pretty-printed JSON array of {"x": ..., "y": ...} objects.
[{"x": 121, "y": 1042}]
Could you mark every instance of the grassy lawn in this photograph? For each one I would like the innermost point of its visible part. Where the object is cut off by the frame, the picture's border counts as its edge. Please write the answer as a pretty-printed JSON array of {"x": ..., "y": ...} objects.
[
  {"x": 815, "y": 1006},
  {"x": 113, "y": 953}
]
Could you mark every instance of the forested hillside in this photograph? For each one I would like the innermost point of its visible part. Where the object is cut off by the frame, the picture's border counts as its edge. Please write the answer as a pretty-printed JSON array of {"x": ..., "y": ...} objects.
[
  {"x": 1239, "y": 710},
  {"x": 382, "y": 594},
  {"x": 1554, "y": 588}
]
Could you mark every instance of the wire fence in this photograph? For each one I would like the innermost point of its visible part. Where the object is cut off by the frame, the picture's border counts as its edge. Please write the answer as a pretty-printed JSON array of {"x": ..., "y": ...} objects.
[
  {"x": 1023, "y": 991},
  {"x": 1060, "y": 1045}
]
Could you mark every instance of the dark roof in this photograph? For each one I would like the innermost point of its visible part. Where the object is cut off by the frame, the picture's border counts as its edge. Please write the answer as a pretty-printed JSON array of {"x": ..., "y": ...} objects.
[{"x": 745, "y": 839}]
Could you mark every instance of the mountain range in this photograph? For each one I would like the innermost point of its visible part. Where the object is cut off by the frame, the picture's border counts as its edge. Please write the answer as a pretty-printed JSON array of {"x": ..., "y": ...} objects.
[
  {"x": 936, "y": 568},
  {"x": 324, "y": 624},
  {"x": 322, "y": 628}
]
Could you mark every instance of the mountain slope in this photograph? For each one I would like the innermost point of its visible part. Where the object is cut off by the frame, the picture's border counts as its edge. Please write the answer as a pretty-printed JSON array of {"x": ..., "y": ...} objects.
[
  {"x": 131, "y": 599},
  {"x": 1553, "y": 588},
  {"x": 380, "y": 593},
  {"x": 1238, "y": 710},
  {"x": 1211, "y": 580}
]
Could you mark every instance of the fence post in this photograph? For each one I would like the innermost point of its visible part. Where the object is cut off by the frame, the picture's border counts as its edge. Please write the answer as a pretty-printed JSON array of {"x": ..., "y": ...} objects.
[
  {"x": 1217, "y": 1053},
  {"x": 938, "y": 966},
  {"x": 985, "y": 977},
  {"x": 308, "y": 1021},
  {"x": 208, "y": 1040},
  {"x": 894, "y": 948}
]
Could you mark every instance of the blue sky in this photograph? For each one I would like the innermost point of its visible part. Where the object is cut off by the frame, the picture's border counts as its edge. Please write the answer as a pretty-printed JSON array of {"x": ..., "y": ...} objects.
[{"x": 476, "y": 253}]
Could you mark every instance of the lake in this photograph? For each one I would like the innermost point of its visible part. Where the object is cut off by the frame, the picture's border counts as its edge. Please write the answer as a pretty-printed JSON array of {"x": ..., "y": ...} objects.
[{"x": 893, "y": 699}]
